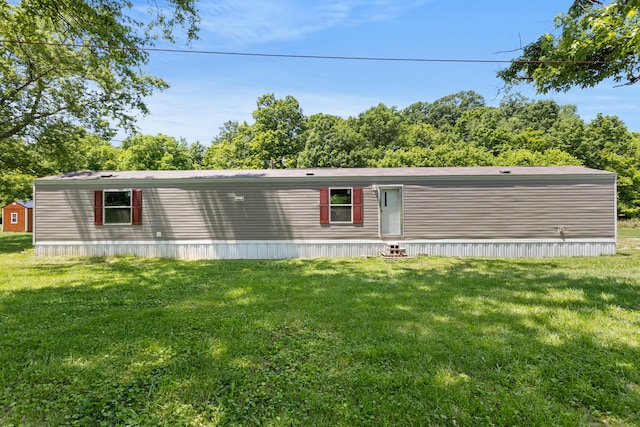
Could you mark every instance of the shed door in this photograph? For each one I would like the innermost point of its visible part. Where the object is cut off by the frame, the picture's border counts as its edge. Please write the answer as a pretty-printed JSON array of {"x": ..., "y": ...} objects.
[{"x": 390, "y": 211}]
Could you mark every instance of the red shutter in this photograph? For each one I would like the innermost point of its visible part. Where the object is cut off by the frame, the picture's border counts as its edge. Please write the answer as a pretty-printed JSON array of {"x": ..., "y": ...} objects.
[
  {"x": 136, "y": 207},
  {"x": 97, "y": 207},
  {"x": 324, "y": 206},
  {"x": 357, "y": 206}
]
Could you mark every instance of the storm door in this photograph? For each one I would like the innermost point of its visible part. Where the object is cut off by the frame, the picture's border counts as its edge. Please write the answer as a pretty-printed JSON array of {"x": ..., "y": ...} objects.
[{"x": 390, "y": 200}]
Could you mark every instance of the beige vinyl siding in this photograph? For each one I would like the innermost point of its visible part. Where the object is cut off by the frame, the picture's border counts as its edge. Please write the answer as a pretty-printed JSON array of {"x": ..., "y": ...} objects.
[
  {"x": 495, "y": 209},
  {"x": 434, "y": 208},
  {"x": 270, "y": 211}
]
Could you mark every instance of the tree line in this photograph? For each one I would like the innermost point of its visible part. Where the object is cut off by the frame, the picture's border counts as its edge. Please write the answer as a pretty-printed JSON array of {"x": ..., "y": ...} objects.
[{"x": 455, "y": 130}]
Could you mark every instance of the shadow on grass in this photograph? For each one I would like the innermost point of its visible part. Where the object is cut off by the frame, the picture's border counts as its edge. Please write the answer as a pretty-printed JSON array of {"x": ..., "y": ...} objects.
[
  {"x": 14, "y": 242},
  {"x": 322, "y": 342}
]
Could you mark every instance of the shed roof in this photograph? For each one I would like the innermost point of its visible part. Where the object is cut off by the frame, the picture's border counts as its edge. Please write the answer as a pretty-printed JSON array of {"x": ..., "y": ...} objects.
[
  {"x": 479, "y": 171},
  {"x": 25, "y": 203}
]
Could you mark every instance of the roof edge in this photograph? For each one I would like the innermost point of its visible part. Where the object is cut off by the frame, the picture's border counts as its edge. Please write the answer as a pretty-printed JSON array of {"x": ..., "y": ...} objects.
[{"x": 324, "y": 174}]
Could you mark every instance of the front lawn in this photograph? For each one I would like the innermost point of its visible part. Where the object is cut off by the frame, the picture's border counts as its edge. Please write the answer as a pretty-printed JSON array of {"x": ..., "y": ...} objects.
[{"x": 426, "y": 341}]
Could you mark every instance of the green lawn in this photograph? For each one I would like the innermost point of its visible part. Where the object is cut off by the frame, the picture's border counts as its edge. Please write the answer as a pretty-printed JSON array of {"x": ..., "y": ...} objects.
[{"x": 426, "y": 341}]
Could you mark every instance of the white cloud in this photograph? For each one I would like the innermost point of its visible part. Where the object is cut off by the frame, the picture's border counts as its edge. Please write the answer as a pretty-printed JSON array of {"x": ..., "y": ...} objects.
[{"x": 246, "y": 22}]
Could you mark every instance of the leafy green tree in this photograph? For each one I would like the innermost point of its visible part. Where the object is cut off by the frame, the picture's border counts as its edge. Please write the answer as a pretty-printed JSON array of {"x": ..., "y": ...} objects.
[
  {"x": 382, "y": 127},
  {"x": 160, "y": 152},
  {"x": 76, "y": 150},
  {"x": 628, "y": 182},
  {"x": 513, "y": 104},
  {"x": 604, "y": 135},
  {"x": 332, "y": 142},
  {"x": 62, "y": 148},
  {"x": 49, "y": 82},
  {"x": 523, "y": 157},
  {"x": 448, "y": 109},
  {"x": 443, "y": 155},
  {"x": 15, "y": 186},
  {"x": 567, "y": 133},
  {"x": 228, "y": 131},
  {"x": 485, "y": 127},
  {"x": 218, "y": 154},
  {"x": 233, "y": 149},
  {"x": 102, "y": 155},
  {"x": 421, "y": 135},
  {"x": 530, "y": 139},
  {"x": 597, "y": 40},
  {"x": 539, "y": 115},
  {"x": 450, "y": 155},
  {"x": 416, "y": 112},
  {"x": 608, "y": 145},
  {"x": 274, "y": 140},
  {"x": 278, "y": 126},
  {"x": 196, "y": 153},
  {"x": 412, "y": 157}
]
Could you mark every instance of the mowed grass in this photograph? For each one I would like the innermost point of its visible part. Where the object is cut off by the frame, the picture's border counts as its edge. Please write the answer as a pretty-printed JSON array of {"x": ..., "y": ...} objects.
[{"x": 352, "y": 342}]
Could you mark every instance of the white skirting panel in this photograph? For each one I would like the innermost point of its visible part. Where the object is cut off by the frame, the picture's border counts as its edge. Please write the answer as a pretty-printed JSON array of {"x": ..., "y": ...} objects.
[
  {"x": 512, "y": 249},
  {"x": 275, "y": 249}
]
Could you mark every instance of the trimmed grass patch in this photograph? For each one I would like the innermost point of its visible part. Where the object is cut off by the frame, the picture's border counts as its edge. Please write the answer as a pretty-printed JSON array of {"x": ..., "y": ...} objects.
[{"x": 426, "y": 341}]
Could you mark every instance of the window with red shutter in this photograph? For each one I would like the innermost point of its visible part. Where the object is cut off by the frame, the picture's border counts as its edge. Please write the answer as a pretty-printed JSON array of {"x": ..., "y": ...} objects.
[
  {"x": 341, "y": 205},
  {"x": 117, "y": 207}
]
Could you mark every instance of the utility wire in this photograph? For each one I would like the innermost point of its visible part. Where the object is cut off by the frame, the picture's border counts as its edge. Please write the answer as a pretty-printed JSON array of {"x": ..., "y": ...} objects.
[{"x": 329, "y": 57}]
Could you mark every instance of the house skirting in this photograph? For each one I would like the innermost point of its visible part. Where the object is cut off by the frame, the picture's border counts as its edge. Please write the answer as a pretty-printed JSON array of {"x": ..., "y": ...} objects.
[{"x": 279, "y": 249}]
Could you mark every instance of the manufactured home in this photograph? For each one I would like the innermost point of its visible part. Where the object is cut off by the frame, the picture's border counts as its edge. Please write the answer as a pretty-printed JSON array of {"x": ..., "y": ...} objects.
[
  {"x": 18, "y": 216},
  {"x": 291, "y": 213}
]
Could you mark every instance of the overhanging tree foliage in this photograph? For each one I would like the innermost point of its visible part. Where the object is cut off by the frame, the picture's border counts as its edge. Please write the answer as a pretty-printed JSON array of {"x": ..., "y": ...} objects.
[
  {"x": 598, "y": 40},
  {"x": 50, "y": 79}
]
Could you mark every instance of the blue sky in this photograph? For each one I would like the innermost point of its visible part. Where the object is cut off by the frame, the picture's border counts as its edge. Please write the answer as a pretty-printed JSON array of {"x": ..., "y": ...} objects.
[{"x": 208, "y": 90}]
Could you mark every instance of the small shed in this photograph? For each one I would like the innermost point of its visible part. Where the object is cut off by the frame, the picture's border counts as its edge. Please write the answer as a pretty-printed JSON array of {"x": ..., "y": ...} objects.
[
  {"x": 305, "y": 213},
  {"x": 18, "y": 216}
]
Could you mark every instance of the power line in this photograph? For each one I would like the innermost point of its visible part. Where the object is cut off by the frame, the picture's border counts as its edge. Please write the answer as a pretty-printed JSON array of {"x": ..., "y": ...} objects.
[{"x": 321, "y": 57}]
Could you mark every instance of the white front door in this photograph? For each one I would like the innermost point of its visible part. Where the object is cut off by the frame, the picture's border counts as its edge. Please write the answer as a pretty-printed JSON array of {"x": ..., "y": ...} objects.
[{"x": 390, "y": 211}]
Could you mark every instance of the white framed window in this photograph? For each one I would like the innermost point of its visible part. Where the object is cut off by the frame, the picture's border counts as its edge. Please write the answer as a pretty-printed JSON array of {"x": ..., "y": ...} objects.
[
  {"x": 14, "y": 217},
  {"x": 117, "y": 207},
  {"x": 341, "y": 205}
]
